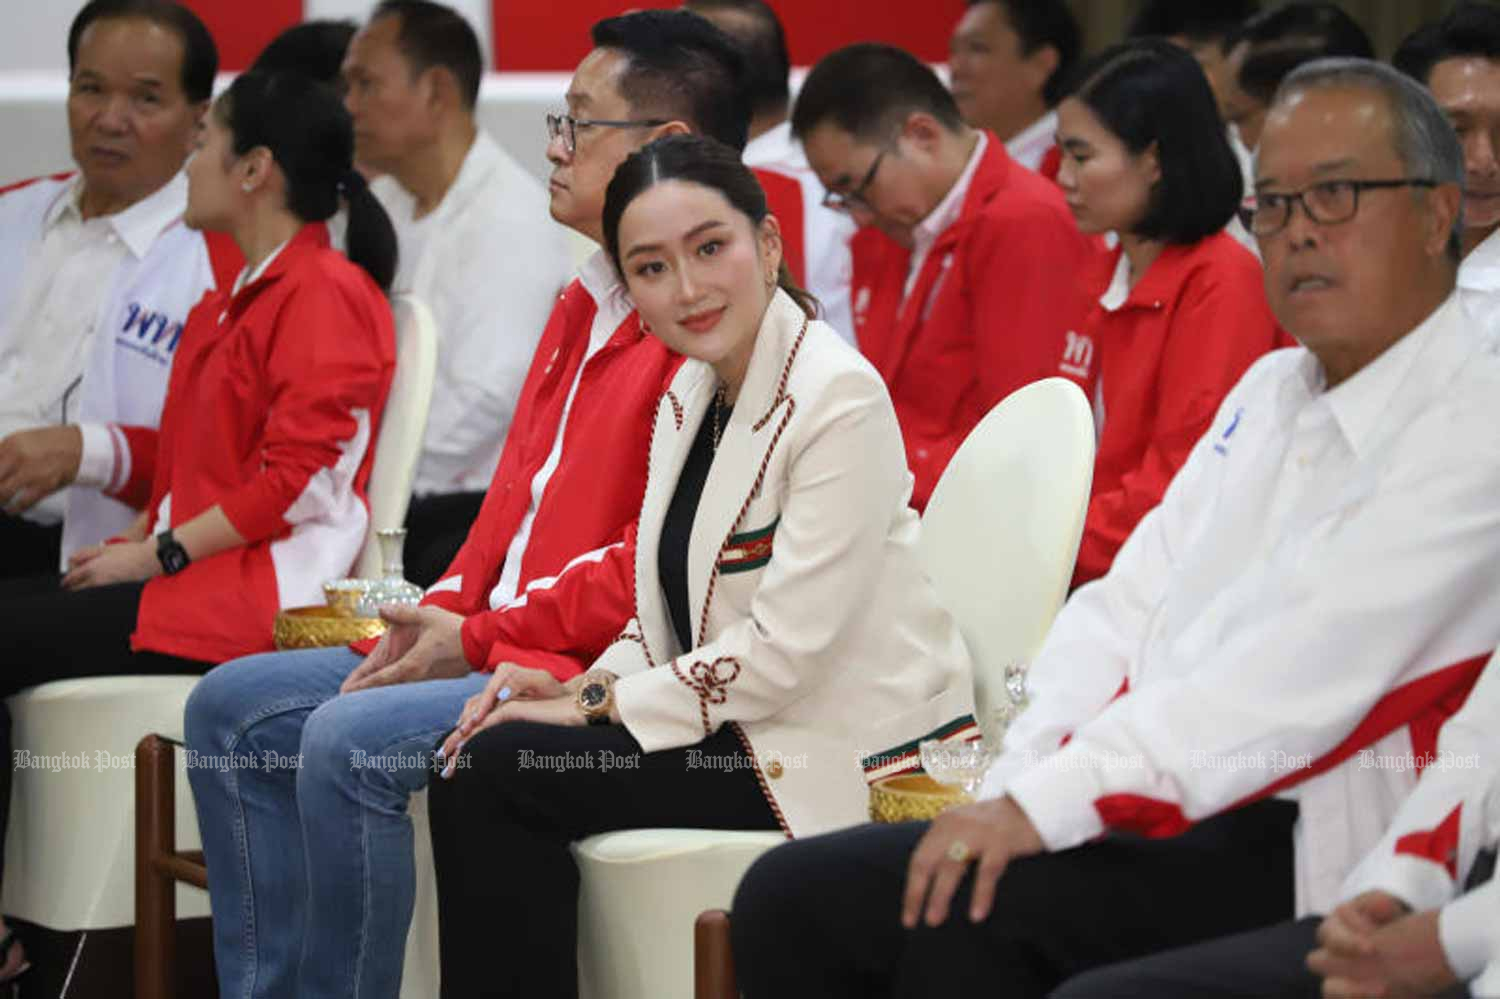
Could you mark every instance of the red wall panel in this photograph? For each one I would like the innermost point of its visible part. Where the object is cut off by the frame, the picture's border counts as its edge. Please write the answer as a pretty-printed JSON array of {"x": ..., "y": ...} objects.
[
  {"x": 241, "y": 28},
  {"x": 532, "y": 35},
  {"x": 552, "y": 35}
]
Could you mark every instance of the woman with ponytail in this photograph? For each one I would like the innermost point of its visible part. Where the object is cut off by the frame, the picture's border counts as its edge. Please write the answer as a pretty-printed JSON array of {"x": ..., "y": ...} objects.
[
  {"x": 258, "y": 469},
  {"x": 785, "y": 643}
]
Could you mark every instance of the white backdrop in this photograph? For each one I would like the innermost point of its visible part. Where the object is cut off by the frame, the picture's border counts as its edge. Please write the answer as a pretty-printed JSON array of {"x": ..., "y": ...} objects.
[{"x": 33, "y": 86}]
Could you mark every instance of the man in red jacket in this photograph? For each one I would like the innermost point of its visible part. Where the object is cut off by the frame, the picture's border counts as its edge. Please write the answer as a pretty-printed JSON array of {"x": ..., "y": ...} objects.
[
  {"x": 544, "y": 580},
  {"x": 964, "y": 277}
]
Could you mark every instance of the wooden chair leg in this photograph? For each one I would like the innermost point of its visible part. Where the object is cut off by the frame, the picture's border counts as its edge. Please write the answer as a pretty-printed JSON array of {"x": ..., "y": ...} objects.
[
  {"x": 155, "y": 890},
  {"x": 713, "y": 957}
]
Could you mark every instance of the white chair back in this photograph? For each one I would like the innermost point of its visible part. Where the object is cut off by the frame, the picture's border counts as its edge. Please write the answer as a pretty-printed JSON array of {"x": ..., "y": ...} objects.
[
  {"x": 403, "y": 425},
  {"x": 1001, "y": 531}
]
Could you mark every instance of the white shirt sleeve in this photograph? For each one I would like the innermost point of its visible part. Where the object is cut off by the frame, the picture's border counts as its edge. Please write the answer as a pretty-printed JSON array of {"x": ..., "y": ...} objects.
[
  {"x": 96, "y": 467},
  {"x": 1469, "y": 929},
  {"x": 1317, "y": 640}
]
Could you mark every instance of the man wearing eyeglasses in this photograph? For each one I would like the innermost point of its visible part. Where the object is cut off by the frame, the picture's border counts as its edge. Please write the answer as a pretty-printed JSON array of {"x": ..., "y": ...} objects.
[
  {"x": 1200, "y": 756},
  {"x": 475, "y": 245},
  {"x": 964, "y": 281}
]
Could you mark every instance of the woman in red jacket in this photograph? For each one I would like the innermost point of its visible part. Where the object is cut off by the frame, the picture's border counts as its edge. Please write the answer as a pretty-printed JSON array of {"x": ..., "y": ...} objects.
[
  {"x": 259, "y": 467},
  {"x": 1181, "y": 311}
]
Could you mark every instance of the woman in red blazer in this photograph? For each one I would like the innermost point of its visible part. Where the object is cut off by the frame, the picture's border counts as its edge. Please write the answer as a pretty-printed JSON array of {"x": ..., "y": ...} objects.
[{"x": 1181, "y": 310}]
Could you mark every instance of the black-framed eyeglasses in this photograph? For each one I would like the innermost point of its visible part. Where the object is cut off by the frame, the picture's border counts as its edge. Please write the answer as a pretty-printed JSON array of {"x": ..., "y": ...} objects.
[
  {"x": 847, "y": 202},
  {"x": 567, "y": 126},
  {"x": 1327, "y": 203}
]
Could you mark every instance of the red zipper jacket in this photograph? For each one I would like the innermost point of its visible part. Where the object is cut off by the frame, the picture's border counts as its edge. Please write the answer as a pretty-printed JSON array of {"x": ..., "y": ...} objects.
[
  {"x": 273, "y": 400},
  {"x": 986, "y": 315},
  {"x": 1158, "y": 368},
  {"x": 577, "y": 586}
]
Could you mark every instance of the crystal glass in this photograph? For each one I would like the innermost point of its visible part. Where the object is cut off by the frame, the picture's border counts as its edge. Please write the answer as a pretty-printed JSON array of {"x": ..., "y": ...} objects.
[
  {"x": 1013, "y": 702},
  {"x": 959, "y": 764},
  {"x": 392, "y": 587}
]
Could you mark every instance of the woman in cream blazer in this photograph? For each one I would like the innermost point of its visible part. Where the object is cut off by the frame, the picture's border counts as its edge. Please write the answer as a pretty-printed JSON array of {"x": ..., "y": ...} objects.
[{"x": 817, "y": 655}]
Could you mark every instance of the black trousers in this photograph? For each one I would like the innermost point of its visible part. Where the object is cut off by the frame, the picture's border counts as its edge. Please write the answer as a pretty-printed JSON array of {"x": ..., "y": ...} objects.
[
  {"x": 28, "y": 549},
  {"x": 821, "y": 917},
  {"x": 47, "y": 633},
  {"x": 501, "y": 827},
  {"x": 1270, "y": 963},
  {"x": 436, "y": 527}
]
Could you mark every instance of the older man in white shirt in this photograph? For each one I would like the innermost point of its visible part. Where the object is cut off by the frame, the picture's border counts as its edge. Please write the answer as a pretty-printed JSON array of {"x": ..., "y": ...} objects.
[
  {"x": 1318, "y": 581},
  {"x": 97, "y": 275},
  {"x": 476, "y": 245}
]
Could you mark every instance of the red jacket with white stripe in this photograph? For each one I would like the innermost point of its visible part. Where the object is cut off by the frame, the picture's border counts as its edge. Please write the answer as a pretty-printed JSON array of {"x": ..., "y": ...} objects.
[
  {"x": 1157, "y": 367},
  {"x": 576, "y": 578},
  {"x": 274, "y": 396},
  {"x": 986, "y": 315},
  {"x": 1319, "y": 580}
]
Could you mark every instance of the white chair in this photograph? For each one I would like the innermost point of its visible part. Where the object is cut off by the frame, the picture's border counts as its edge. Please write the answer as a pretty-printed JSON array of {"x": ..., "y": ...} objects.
[
  {"x": 999, "y": 539},
  {"x": 403, "y": 425},
  {"x": 1002, "y": 528}
]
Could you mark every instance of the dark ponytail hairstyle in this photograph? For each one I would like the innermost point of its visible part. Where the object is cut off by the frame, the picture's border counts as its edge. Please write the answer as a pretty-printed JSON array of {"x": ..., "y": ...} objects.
[
  {"x": 694, "y": 159},
  {"x": 311, "y": 136}
]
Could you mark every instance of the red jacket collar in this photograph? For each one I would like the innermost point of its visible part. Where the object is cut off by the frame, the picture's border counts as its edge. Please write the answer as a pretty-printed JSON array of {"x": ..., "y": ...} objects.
[
  {"x": 1169, "y": 270},
  {"x": 309, "y": 239}
]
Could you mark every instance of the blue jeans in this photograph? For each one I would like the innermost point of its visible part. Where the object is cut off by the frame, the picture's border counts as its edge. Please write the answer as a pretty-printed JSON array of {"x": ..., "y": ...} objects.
[{"x": 301, "y": 795}]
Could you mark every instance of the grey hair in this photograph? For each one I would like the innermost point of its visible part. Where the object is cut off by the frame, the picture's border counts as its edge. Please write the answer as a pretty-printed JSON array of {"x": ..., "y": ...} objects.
[{"x": 1425, "y": 141}]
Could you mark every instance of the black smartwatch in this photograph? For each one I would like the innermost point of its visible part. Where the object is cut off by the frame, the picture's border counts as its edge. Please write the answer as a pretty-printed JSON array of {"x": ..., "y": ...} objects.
[{"x": 170, "y": 553}]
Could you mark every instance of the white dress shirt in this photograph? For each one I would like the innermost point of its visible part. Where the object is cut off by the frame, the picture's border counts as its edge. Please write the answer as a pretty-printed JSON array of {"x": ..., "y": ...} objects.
[
  {"x": 1320, "y": 549},
  {"x": 925, "y": 233},
  {"x": 1029, "y": 146},
  {"x": 488, "y": 261},
  {"x": 826, "y": 233},
  {"x": 613, "y": 307},
  {"x": 1479, "y": 282},
  {"x": 52, "y": 306}
]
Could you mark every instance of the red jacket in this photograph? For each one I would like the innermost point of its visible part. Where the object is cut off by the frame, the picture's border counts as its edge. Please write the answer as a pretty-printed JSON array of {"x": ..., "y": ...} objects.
[
  {"x": 986, "y": 315},
  {"x": 274, "y": 397},
  {"x": 577, "y": 577},
  {"x": 1158, "y": 368}
]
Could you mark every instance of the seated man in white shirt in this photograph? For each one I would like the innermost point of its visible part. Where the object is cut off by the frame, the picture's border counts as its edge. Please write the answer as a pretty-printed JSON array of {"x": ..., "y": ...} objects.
[
  {"x": 1010, "y": 60},
  {"x": 1318, "y": 582},
  {"x": 476, "y": 245},
  {"x": 1421, "y": 909},
  {"x": 1458, "y": 59},
  {"x": 97, "y": 274},
  {"x": 817, "y": 249}
]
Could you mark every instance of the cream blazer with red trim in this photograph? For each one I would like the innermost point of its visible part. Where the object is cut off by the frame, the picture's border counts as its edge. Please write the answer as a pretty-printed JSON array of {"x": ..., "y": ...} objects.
[{"x": 819, "y": 636}]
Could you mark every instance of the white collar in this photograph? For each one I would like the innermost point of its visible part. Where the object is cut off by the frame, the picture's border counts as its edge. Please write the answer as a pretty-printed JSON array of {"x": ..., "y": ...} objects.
[
  {"x": 602, "y": 281},
  {"x": 771, "y": 146},
  {"x": 1029, "y": 146},
  {"x": 1361, "y": 401},
  {"x": 951, "y": 207},
  {"x": 136, "y": 226},
  {"x": 1480, "y": 270},
  {"x": 1119, "y": 286},
  {"x": 247, "y": 277},
  {"x": 473, "y": 177}
]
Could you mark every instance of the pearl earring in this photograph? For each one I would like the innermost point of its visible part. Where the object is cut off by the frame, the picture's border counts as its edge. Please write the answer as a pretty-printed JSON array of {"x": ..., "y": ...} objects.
[{"x": 247, "y": 187}]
